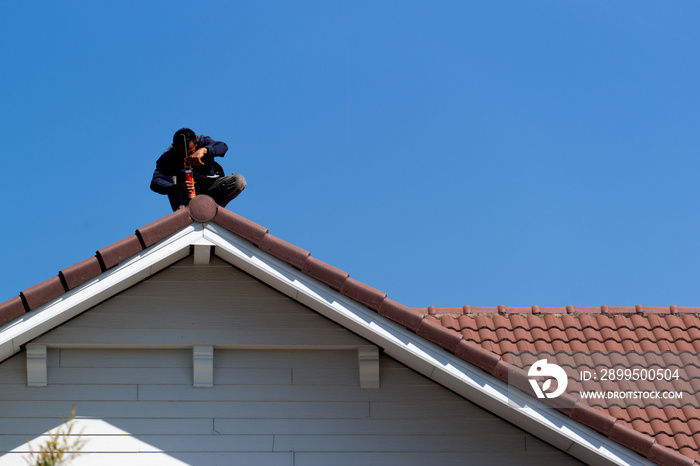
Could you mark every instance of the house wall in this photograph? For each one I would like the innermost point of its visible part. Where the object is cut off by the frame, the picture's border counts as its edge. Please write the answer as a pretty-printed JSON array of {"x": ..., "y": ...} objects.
[{"x": 286, "y": 387}]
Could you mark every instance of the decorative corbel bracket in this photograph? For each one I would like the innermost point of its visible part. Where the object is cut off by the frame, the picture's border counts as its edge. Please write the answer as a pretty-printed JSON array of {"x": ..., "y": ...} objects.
[
  {"x": 36, "y": 366},
  {"x": 368, "y": 359}
]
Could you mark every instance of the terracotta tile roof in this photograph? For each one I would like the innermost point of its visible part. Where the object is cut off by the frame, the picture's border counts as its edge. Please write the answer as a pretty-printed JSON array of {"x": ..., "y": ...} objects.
[
  {"x": 487, "y": 336},
  {"x": 482, "y": 336}
]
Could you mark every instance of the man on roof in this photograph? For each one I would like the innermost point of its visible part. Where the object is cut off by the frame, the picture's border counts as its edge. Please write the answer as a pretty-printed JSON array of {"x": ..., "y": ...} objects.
[{"x": 208, "y": 176}]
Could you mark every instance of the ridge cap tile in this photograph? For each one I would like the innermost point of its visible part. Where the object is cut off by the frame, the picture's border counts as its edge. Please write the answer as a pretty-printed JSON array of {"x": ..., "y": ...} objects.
[
  {"x": 520, "y": 310},
  {"x": 632, "y": 439},
  {"x": 501, "y": 370},
  {"x": 325, "y": 273},
  {"x": 583, "y": 310},
  {"x": 448, "y": 310},
  {"x": 483, "y": 310},
  {"x": 402, "y": 315},
  {"x": 11, "y": 309},
  {"x": 477, "y": 355},
  {"x": 42, "y": 293},
  {"x": 363, "y": 293},
  {"x": 285, "y": 251},
  {"x": 202, "y": 208},
  {"x": 432, "y": 330},
  {"x": 664, "y": 456},
  {"x": 111, "y": 255},
  {"x": 163, "y": 227},
  {"x": 599, "y": 421},
  {"x": 240, "y": 226},
  {"x": 79, "y": 273}
]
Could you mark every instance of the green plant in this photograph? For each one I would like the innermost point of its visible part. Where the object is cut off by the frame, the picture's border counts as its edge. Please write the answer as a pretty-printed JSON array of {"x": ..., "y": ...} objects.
[{"x": 60, "y": 448}]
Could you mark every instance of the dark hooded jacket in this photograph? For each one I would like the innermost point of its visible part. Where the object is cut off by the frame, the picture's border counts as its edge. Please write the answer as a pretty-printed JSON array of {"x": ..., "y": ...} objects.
[{"x": 172, "y": 164}]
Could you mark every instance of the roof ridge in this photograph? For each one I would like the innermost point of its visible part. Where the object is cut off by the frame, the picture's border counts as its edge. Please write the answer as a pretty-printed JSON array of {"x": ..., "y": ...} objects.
[{"x": 560, "y": 310}]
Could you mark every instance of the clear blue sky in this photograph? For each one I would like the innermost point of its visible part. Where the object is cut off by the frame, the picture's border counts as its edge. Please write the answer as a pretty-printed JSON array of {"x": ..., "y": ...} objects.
[{"x": 445, "y": 152}]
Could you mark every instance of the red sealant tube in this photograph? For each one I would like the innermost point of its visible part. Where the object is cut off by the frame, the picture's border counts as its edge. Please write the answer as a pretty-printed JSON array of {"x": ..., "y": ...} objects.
[{"x": 189, "y": 177}]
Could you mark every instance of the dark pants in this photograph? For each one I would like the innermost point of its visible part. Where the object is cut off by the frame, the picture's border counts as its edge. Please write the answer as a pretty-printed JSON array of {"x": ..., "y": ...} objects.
[{"x": 223, "y": 190}]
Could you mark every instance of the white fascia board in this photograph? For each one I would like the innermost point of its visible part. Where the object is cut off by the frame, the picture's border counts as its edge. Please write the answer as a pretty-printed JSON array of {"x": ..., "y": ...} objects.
[
  {"x": 421, "y": 355},
  {"x": 109, "y": 283}
]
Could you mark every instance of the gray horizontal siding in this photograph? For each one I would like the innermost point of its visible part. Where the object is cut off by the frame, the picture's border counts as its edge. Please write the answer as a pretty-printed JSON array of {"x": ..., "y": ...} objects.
[{"x": 408, "y": 419}]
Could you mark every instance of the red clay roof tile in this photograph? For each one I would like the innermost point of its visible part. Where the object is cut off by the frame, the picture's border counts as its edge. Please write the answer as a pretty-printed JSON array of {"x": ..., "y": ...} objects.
[
  {"x": 11, "y": 309},
  {"x": 492, "y": 346},
  {"x": 450, "y": 322},
  {"x": 42, "y": 293},
  {"x": 476, "y": 355},
  {"x": 484, "y": 310},
  {"x": 631, "y": 439},
  {"x": 667, "y": 457},
  {"x": 279, "y": 248},
  {"x": 402, "y": 315},
  {"x": 466, "y": 323},
  {"x": 153, "y": 232},
  {"x": 240, "y": 226},
  {"x": 433, "y": 330},
  {"x": 113, "y": 254},
  {"x": 552, "y": 310},
  {"x": 325, "y": 273},
  {"x": 202, "y": 209},
  {"x": 501, "y": 371},
  {"x": 365, "y": 294},
  {"x": 519, "y": 310},
  {"x": 688, "y": 451},
  {"x": 564, "y": 404},
  {"x": 585, "y": 310},
  {"x": 80, "y": 273},
  {"x": 593, "y": 418}
]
